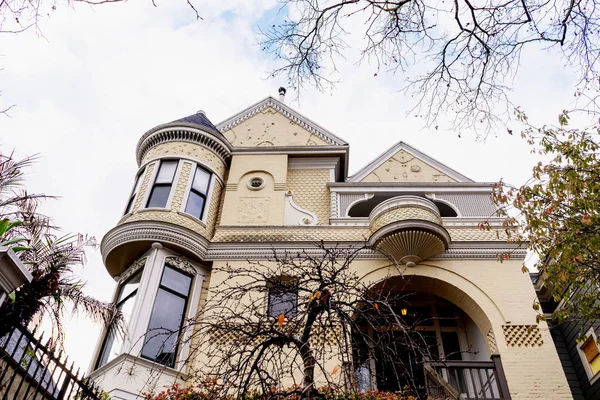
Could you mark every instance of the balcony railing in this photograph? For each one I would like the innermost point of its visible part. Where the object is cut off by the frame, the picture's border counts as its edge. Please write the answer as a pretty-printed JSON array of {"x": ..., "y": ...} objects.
[
  {"x": 32, "y": 370},
  {"x": 467, "y": 380}
]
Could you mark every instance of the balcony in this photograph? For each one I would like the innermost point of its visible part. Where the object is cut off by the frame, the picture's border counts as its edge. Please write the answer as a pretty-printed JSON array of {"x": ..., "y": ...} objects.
[
  {"x": 408, "y": 229},
  {"x": 466, "y": 380}
]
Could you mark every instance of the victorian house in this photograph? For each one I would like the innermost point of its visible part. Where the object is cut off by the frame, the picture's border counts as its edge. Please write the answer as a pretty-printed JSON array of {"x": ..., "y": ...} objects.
[{"x": 268, "y": 177}]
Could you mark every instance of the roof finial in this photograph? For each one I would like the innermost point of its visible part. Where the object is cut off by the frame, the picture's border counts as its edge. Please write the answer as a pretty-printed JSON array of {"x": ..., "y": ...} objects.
[
  {"x": 201, "y": 112},
  {"x": 282, "y": 94}
]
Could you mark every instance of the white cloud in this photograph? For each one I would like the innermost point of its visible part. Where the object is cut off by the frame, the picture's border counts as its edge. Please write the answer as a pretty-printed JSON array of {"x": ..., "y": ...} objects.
[{"x": 101, "y": 76}]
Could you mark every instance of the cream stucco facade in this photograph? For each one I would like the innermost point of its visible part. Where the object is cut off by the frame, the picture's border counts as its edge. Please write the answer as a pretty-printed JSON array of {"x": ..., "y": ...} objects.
[{"x": 277, "y": 180}]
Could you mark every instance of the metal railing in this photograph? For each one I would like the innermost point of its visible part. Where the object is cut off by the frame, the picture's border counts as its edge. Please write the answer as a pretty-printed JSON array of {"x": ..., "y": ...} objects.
[
  {"x": 467, "y": 380},
  {"x": 31, "y": 370}
]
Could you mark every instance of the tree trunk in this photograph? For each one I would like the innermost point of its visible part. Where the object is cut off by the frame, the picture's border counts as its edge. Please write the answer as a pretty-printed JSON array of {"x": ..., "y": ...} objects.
[{"x": 308, "y": 382}]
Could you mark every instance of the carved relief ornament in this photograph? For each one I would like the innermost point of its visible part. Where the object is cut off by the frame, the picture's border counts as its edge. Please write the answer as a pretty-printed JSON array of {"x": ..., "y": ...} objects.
[{"x": 182, "y": 264}]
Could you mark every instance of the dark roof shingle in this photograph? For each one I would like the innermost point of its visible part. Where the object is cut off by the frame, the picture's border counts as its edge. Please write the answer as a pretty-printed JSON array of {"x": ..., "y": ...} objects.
[{"x": 199, "y": 119}]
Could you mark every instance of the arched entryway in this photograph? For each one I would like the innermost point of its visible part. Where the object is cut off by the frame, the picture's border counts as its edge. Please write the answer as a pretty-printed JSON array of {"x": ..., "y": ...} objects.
[{"x": 437, "y": 349}]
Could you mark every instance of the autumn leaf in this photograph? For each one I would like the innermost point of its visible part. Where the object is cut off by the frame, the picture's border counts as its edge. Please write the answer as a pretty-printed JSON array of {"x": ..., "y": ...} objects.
[
  {"x": 335, "y": 370},
  {"x": 376, "y": 306},
  {"x": 586, "y": 220},
  {"x": 281, "y": 319}
]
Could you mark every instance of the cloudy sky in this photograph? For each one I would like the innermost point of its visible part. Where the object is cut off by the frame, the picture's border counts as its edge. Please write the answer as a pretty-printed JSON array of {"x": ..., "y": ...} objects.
[{"x": 96, "y": 78}]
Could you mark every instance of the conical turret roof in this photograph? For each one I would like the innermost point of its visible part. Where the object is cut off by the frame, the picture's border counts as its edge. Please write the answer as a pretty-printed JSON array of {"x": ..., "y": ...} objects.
[{"x": 199, "y": 118}]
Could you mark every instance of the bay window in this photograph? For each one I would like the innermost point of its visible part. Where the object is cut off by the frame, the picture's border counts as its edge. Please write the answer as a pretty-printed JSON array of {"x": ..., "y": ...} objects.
[
  {"x": 167, "y": 316},
  {"x": 161, "y": 189}
]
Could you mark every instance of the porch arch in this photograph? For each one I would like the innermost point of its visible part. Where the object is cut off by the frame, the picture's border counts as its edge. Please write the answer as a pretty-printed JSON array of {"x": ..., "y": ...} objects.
[{"x": 450, "y": 286}]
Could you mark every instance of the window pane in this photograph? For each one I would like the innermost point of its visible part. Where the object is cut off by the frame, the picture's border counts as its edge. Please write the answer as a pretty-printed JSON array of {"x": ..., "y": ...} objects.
[
  {"x": 285, "y": 303},
  {"x": 113, "y": 344},
  {"x": 112, "y": 348},
  {"x": 451, "y": 346},
  {"x": 166, "y": 172},
  {"x": 195, "y": 205},
  {"x": 176, "y": 281},
  {"x": 130, "y": 204},
  {"x": 201, "y": 178},
  {"x": 128, "y": 287},
  {"x": 138, "y": 183},
  {"x": 446, "y": 316},
  {"x": 159, "y": 196},
  {"x": 163, "y": 330}
]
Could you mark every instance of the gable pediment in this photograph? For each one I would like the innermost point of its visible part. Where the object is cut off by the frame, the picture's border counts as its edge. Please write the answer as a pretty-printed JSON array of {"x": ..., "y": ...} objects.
[
  {"x": 404, "y": 163},
  {"x": 272, "y": 123}
]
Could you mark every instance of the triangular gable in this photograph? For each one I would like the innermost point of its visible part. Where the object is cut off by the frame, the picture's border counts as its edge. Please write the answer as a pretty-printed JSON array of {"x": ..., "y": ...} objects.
[
  {"x": 404, "y": 163},
  {"x": 272, "y": 123}
]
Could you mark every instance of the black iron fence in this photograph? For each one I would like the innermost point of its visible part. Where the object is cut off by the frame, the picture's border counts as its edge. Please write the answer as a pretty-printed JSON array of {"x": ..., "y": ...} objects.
[
  {"x": 467, "y": 380},
  {"x": 31, "y": 370}
]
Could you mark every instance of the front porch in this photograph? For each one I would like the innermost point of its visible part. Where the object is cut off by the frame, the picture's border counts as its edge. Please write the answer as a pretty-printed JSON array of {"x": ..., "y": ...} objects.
[{"x": 436, "y": 348}]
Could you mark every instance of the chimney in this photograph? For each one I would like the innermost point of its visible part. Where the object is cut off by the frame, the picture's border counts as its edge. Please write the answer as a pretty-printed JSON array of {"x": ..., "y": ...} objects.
[{"x": 282, "y": 94}]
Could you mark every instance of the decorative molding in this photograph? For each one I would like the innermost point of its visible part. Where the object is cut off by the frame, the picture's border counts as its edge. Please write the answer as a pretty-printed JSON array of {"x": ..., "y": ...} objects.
[
  {"x": 153, "y": 231},
  {"x": 253, "y": 210},
  {"x": 491, "y": 341},
  {"x": 334, "y": 205},
  {"x": 182, "y": 134},
  {"x": 181, "y": 263},
  {"x": 350, "y": 200},
  {"x": 373, "y": 165},
  {"x": 136, "y": 266},
  {"x": 294, "y": 215},
  {"x": 286, "y": 111},
  {"x": 330, "y": 163},
  {"x": 350, "y": 221},
  {"x": 256, "y": 183},
  {"x": 403, "y": 187},
  {"x": 522, "y": 335},
  {"x": 404, "y": 201},
  {"x": 449, "y": 222},
  {"x": 411, "y": 225},
  {"x": 255, "y": 250}
]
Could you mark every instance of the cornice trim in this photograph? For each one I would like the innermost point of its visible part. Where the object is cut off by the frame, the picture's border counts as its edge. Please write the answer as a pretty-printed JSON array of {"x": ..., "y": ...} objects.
[
  {"x": 372, "y": 187},
  {"x": 154, "y": 231},
  {"x": 256, "y": 251},
  {"x": 182, "y": 134},
  {"x": 314, "y": 163}
]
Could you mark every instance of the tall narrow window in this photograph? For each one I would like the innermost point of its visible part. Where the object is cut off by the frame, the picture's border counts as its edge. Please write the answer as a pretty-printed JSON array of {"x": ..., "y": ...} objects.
[
  {"x": 162, "y": 184},
  {"x": 136, "y": 189},
  {"x": 197, "y": 198},
  {"x": 283, "y": 298},
  {"x": 167, "y": 316},
  {"x": 113, "y": 342}
]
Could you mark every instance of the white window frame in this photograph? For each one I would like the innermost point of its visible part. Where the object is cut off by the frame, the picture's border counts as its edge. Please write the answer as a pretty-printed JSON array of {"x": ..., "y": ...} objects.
[
  {"x": 143, "y": 309},
  {"x": 209, "y": 192},
  {"x": 586, "y": 365},
  {"x": 152, "y": 180}
]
